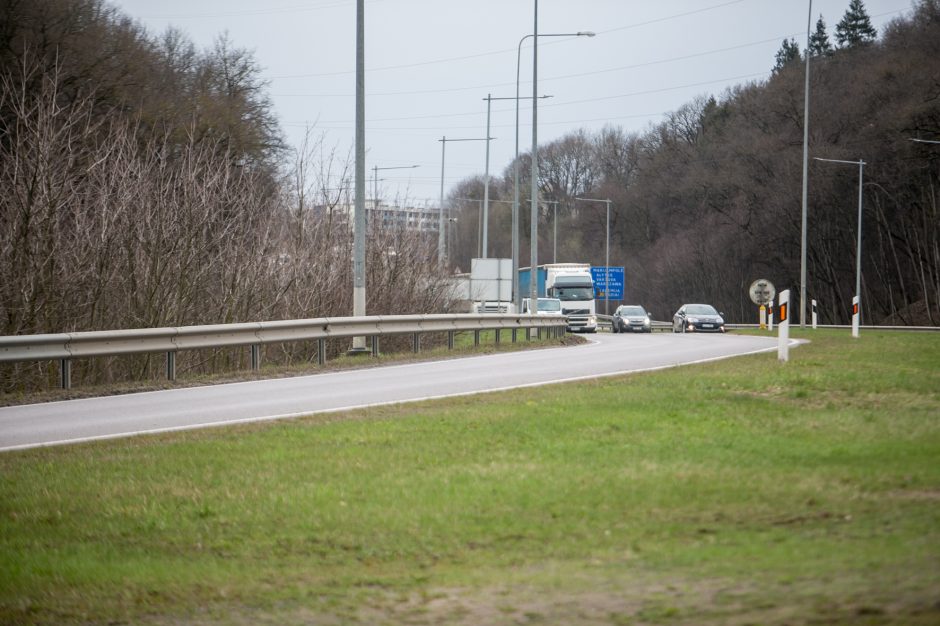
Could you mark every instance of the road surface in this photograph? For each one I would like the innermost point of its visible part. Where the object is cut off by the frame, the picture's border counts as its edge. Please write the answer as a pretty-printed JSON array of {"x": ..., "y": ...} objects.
[{"x": 73, "y": 421}]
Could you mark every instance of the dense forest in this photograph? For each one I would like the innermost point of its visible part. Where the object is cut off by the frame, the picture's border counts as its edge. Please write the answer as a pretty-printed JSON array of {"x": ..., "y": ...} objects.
[
  {"x": 710, "y": 199},
  {"x": 145, "y": 183}
]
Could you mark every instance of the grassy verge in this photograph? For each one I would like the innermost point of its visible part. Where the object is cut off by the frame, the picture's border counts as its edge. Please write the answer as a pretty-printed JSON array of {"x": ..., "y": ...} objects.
[{"x": 738, "y": 492}]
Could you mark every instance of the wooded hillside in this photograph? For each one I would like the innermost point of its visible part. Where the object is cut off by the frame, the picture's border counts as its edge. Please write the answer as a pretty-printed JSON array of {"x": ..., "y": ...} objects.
[{"x": 710, "y": 199}]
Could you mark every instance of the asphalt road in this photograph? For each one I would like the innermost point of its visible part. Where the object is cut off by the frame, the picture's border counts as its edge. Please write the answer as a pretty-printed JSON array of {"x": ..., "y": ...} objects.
[{"x": 72, "y": 421}]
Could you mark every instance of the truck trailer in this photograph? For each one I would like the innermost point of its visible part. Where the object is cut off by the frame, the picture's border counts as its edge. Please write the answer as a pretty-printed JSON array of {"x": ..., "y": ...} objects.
[{"x": 572, "y": 284}]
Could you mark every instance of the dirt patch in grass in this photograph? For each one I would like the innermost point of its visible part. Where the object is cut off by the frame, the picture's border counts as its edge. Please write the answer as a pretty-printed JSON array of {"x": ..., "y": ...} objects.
[{"x": 640, "y": 601}]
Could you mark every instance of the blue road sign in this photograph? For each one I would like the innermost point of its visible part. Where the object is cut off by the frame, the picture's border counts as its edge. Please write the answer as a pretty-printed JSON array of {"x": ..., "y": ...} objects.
[{"x": 600, "y": 274}]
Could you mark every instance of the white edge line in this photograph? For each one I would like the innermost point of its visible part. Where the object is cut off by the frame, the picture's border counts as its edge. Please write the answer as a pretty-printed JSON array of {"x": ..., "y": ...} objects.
[{"x": 355, "y": 407}]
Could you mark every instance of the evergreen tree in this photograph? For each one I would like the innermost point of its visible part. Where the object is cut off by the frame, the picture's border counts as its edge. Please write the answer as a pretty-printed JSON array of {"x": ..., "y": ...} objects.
[
  {"x": 789, "y": 51},
  {"x": 819, "y": 41},
  {"x": 855, "y": 27}
]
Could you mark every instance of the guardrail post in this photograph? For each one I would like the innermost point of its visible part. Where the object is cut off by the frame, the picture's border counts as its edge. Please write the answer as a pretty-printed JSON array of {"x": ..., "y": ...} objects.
[
  {"x": 171, "y": 366},
  {"x": 514, "y": 332},
  {"x": 255, "y": 356},
  {"x": 375, "y": 346},
  {"x": 321, "y": 351},
  {"x": 65, "y": 373},
  {"x": 450, "y": 340},
  {"x": 476, "y": 338},
  {"x": 538, "y": 333},
  {"x": 497, "y": 336},
  {"x": 528, "y": 333},
  {"x": 416, "y": 343}
]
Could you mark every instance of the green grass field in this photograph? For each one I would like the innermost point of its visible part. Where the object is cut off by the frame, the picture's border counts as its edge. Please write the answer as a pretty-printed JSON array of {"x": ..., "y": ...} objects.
[{"x": 738, "y": 492}]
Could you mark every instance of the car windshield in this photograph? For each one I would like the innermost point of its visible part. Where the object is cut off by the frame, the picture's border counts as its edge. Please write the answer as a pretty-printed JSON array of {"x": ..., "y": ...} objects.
[
  {"x": 633, "y": 311},
  {"x": 700, "y": 309},
  {"x": 549, "y": 305},
  {"x": 568, "y": 294}
]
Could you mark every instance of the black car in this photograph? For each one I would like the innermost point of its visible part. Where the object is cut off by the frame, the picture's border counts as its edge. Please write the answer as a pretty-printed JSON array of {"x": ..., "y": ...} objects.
[
  {"x": 630, "y": 318},
  {"x": 700, "y": 318}
]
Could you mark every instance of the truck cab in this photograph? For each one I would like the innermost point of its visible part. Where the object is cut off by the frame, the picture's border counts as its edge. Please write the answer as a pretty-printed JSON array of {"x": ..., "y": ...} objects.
[{"x": 575, "y": 291}]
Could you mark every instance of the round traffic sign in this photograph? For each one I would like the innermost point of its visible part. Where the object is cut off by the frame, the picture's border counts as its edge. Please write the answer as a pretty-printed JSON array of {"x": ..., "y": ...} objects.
[{"x": 762, "y": 291}]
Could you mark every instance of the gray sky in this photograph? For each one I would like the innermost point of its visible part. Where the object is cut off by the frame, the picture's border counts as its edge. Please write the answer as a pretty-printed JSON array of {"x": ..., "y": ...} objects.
[{"x": 430, "y": 64}]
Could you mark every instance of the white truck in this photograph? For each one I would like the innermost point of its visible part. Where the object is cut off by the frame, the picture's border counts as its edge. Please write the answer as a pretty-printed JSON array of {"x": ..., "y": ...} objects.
[{"x": 572, "y": 284}]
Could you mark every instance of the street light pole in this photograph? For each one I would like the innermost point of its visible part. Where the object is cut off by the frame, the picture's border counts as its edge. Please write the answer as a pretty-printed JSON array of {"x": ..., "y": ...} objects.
[
  {"x": 809, "y": 20},
  {"x": 441, "y": 240},
  {"x": 515, "y": 163},
  {"x": 606, "y": 253},
  {"x": 375, "y": 180},
  {"x": 359, "y": 229},
  {"x": 486, "y": 177},
  {"x": 857, "y": 300},
  {"x": 534, "y": 200}
]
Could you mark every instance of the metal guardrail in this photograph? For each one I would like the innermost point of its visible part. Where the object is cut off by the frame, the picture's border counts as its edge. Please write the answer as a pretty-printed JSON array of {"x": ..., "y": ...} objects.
[
  {"x": 605, "y": 322},
  {"x": 845, "y": 327},
  {"x": 67, "y": 346}
]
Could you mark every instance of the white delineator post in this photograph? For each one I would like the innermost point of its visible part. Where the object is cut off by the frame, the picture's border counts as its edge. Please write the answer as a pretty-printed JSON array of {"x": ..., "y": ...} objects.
[
  {"x": 855, "y": 316},
  {"x": 814, "y": 315},
  {"x": 783, "y": 327},
  {"x": 770, "y": 317}
]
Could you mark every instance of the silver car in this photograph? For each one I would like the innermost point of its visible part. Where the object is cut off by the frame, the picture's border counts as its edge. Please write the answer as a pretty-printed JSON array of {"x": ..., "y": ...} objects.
[{"x": 631, "y": 318}]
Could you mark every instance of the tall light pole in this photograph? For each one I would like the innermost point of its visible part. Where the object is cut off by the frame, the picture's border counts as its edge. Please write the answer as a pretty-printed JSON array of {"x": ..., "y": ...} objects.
[
  {"x": 857, "y": 300},
  {"x": 809, "y": 20},
  {"x": 441, "y": 240},
  {"x": 515, "y": 163},
  {"x": 606, "y": 253},
  {"x": 359, "y": 232},
  {"x": 375, "y": 180},
  {"x": 534, "y": 231},
  {"x": 486, "y": 176}
]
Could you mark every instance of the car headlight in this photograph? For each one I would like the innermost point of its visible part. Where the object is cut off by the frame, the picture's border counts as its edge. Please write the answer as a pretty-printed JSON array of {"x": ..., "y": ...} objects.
[
  {"x": 592, "y": 319},
  {"x": 646, "y": 322}
]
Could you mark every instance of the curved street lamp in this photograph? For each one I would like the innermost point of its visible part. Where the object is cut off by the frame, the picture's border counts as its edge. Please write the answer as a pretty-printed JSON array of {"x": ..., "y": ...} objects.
[{"x": 515, "y": 164}]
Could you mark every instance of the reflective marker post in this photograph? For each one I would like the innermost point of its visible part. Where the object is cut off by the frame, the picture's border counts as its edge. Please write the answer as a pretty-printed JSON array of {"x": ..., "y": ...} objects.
[
  {"x": 770, "y": 317},
  {"x": 814, "y": 315},
  {"x": 855, "y": 316},
  {"x": 783, "y": 330}
]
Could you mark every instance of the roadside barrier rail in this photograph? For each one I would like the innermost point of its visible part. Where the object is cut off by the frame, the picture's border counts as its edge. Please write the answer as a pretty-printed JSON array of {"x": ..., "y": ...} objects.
[
  {"x": 79, "y": 345},
  {"x": 606, "y": 322},
  {"x": 845, "y": 327}
]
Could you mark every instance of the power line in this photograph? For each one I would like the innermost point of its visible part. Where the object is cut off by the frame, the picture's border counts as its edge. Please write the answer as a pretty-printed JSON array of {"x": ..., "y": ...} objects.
[
  {"x": 507, "y": 50},
  {"x": 566, "y": 103},
  {"x": 562, "y": 77}
]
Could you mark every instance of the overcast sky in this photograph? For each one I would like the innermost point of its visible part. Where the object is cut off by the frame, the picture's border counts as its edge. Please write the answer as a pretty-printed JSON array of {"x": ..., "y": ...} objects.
[{"x": 431, "y": 63}]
